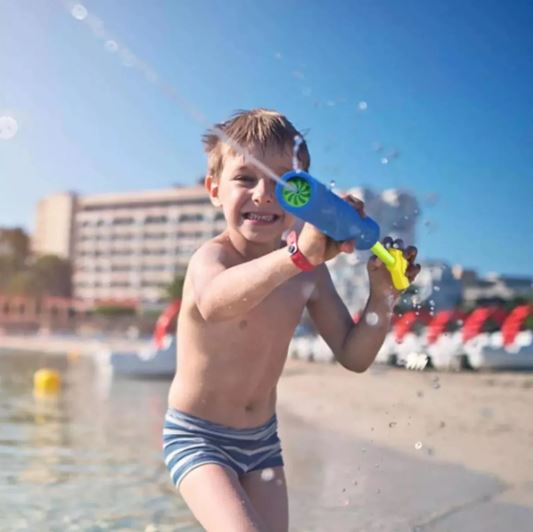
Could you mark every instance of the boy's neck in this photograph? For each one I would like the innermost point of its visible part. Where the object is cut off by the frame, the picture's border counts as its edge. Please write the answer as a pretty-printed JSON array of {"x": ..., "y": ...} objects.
[{"x": 251, "y": 250}]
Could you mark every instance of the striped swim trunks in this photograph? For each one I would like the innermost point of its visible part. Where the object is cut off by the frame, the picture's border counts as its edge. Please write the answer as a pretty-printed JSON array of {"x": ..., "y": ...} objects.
[{"x": 189, "y": 442}]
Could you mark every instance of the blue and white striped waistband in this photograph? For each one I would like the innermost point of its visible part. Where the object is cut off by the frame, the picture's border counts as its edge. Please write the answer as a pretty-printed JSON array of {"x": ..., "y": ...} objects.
[{"x": 176, "y": 420}]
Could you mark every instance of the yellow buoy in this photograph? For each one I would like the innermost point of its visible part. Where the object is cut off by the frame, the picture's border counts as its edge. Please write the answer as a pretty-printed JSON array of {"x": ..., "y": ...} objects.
[{"x": 46, "y": 381}]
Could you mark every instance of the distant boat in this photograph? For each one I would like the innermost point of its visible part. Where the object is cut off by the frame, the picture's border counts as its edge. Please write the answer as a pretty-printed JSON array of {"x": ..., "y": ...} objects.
[
  {"x": 510, "y": 348},
  {"x": 157, "y": 359}
]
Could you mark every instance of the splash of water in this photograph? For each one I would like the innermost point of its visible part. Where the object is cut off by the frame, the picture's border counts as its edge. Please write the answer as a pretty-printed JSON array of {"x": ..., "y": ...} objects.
[
  {"x": 8, "y": 127},
  {"x": 129, "y": 59},
  {"x": 295, "y": 149}
]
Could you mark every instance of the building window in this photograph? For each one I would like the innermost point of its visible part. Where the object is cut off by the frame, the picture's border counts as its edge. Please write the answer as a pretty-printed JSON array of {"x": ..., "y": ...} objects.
[
  {"x": 155, "y": 219},
  {"x": 190, "y": 217},
  {"x": 127, "y": 220}
]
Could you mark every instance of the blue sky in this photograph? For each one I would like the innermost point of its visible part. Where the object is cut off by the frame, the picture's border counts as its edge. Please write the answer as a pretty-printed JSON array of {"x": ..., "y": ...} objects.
[{"x": 447, "y": 85}]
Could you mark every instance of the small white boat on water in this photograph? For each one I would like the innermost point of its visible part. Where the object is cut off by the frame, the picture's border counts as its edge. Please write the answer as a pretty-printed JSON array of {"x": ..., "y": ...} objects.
[
  {"x": 154, "y": 359},
  {"x": 149, "y": 361}
]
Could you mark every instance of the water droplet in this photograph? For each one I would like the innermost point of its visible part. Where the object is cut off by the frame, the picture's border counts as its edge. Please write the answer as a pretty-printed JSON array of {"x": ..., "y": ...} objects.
[
  {"x": 362, "y": 106},
  {"x": 332, "y": 184},
  {"x": 436, "y": 288},
  {"x": 384, "y": 160},
  {"x": 111, "y": 46},
  {"x": 79, "y": 12},
  {"x": 372, "y": 318},
  {"x": 418, "y": 445},
  {"x": 128, "y": 58},
  {"x": 267, "y": 474},
  {"x": 8, "y": 127},
  {"x": 296, "y": 146}
]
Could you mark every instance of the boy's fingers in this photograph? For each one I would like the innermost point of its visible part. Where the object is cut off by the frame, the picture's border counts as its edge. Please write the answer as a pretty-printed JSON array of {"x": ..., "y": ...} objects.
[
  {"x": 387, "y": 242},
  {"x": 357, "y": 203},
  {"x": 398, "y": 244},
  {"x": 412, "y": 271},
  {"x": 410, "y": 253},
  {"x": 375, "y": 262},
  {"x": 347, "y": 246}
]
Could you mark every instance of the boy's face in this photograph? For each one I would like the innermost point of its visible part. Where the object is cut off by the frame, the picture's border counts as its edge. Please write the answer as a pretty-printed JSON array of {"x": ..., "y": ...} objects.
[{"x": 247, "y": 196}]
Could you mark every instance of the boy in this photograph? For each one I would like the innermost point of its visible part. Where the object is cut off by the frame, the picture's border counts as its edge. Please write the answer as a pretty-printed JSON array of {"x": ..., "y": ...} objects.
[{"x": 243, "y": 296}]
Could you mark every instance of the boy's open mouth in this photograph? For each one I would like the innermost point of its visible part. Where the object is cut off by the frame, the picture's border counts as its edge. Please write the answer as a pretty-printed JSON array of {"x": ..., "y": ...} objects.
[{"x": 263, "y": 218}]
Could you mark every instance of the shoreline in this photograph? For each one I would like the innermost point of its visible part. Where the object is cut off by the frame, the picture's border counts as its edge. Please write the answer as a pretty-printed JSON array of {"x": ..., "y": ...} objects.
[{"x": 67, "y": 345}]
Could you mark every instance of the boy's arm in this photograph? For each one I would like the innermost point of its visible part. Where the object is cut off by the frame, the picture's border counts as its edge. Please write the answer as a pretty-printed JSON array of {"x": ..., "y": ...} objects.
[
  {"x": 223, "y": 291},
  {"x": 355, "y": 346}
]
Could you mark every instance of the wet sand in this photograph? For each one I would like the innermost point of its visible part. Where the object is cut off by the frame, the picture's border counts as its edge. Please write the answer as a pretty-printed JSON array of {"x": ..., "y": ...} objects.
[{"x": 394, "y": 450}]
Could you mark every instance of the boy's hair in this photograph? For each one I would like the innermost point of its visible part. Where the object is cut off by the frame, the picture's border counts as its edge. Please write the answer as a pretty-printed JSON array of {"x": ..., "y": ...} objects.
[{"x": 256, "y": 127}]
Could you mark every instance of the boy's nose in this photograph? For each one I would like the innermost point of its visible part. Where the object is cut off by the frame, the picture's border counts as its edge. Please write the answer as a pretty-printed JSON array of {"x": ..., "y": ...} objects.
[{"x": 263, "y": 193}]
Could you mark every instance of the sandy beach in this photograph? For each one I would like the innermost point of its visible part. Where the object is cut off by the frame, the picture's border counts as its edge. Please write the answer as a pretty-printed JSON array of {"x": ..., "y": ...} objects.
[{"x": 398, "y": 450}]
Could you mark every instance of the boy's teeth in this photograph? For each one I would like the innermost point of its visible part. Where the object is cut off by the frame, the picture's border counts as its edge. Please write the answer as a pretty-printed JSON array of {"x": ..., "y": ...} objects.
[{"x": 260, "y": 217}]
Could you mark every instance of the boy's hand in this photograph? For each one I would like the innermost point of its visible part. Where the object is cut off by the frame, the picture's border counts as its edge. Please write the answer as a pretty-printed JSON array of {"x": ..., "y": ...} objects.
[
  {"x": 317, "y": 247},
  {"x": 380, "y": 278}
]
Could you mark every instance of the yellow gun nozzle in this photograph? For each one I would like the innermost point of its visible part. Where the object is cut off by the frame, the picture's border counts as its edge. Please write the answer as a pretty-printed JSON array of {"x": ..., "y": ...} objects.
[{"x": 395, "y": 262}]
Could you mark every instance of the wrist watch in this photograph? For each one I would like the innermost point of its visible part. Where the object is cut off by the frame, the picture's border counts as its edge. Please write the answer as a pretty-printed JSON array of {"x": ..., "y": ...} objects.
[{"x": 297, "y": 257}]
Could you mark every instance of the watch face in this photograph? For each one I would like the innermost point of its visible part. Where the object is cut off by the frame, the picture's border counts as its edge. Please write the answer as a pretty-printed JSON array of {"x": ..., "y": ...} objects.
[{"x": 292, "y": 249}]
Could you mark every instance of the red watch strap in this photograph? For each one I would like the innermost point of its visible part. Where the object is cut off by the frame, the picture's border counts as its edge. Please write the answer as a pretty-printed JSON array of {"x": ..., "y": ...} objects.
[{"x": 297, "y": 257}]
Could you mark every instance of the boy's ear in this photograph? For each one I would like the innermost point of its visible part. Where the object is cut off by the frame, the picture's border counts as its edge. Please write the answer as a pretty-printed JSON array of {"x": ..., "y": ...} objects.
[{"x": 211, "y": 185}]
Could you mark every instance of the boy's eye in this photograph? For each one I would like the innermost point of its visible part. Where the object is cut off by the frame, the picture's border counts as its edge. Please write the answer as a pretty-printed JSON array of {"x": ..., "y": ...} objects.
[{"x": 245, "y": 178}]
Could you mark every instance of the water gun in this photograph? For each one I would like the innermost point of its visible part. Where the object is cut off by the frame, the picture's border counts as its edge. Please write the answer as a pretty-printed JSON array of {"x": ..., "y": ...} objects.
[{"x": 308, "y": 199}]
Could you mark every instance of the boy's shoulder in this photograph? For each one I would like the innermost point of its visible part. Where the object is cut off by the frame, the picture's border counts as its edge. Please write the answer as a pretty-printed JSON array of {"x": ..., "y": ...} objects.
[{"x": 216, "y": 250}]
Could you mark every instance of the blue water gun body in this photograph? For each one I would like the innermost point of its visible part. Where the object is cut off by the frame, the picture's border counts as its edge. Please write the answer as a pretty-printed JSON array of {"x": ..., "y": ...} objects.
[{"x": 301, "y": 194}]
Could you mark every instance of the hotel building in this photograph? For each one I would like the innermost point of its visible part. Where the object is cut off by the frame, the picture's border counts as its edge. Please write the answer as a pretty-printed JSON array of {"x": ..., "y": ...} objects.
[{"x": 126, "y": 247}]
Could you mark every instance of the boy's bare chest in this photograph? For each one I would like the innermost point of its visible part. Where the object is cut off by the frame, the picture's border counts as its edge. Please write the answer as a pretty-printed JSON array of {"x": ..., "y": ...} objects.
[{"x": 284, "y": 306}]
